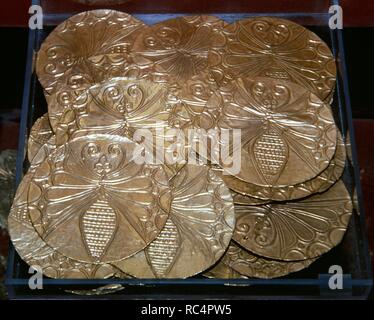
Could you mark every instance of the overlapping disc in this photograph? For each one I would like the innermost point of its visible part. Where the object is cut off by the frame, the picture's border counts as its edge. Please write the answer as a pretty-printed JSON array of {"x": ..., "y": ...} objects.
[
  {"x": 222, "y": 271},
  {"x": 318, "y": 184},
  {"x": 87, "y": 48},
  {"x": 90, "y": 201},
  {"x": 274, "y": 48},
  {"x": 197, "y": 232},
  {"x": 32, "y": 248},
  {"x": 131, "y": 172},
  {"x": 250, "y": 265},
  {"x": 178, "y": 46},
  {"x": 288, "y": 135}
]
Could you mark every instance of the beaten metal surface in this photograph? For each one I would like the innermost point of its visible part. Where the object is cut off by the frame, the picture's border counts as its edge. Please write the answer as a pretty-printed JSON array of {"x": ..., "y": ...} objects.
[
  {"x": 31, "y": 247},
  {"x": 90, "y": 201},
  {"x": 178, "y": 46},
  {"x": 288, "y": 135},
  {"x": 197, "y": 233},
  {"x": 255, "y": 266},
  {"x": 296, "y": 230},
  {"x": 316, "y": 185},
  {"x": 87, "y": 48},
  {"x": 251, "y": 280},
  {"x": 40, "y": 133},
  {"x": 223, "y": 271},
  {"x": 277, "y": 48},
  {"x": 118, "y": 106}
]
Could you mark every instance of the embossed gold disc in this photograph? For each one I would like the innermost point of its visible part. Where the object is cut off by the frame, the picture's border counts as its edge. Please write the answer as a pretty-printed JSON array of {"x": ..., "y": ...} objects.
[
  {"x": 32, "y": 249},
  {"x": 288, "y": 134},
  {"x": 113, "y": 107},
  {"x": 40, "y": 133},
  {"x": 254, "y": 266},
  {"x": 69, "y": 97},
  {"x": 296, "y": 230},
  {"x": 197, "y": 232},
  {"x": 276, "y": 48},
  {"x": 178, "y": 46},
  {"x": 318, "y": 184},
  {"x": 87, "y": 48},
  {"x": 91, "y": 202}
]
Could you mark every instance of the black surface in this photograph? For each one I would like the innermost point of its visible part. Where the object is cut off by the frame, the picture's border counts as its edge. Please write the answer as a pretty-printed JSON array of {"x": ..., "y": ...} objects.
[
  {"x": 359, "y": 51},
  {"x": 12, "y": 57}
]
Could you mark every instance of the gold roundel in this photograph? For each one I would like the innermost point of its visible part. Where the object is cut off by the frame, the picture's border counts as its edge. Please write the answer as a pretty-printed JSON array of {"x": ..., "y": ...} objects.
[
  {"x": 114, "y": 107},
  {"x": 276, "y": 48},
  {"x": 288, "y": 135},
  {"x": 32, "y": 248},
  {"x": 318, "y": 184},
  {"x": 178, "y": 46},
  {"x": 198, "y": 230},
  {"x": 87, "y": 48},
  {"x": 92, "y": 202},
  {"x": 296, "y": 230}
]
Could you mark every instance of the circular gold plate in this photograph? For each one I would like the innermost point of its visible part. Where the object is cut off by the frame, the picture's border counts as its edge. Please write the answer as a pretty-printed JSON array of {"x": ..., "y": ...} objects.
[
  {"x": 254, "y": 266},
  {"x": 288, "y": 134},
  {"x": 197, "y": 233},
  {"x": 31, "y": 247},
  {"x": 296, "y": 230},
  {"x": 91, "y": 202},
  {"x": 276, "y": 48},
  {"x": 87, "y": 48},
  {"x": 316, "y": 185},
  {"x": 178, "y": 46}
]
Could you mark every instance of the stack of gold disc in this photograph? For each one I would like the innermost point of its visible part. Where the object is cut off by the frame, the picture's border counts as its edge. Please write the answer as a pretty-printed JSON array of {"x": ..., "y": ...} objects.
[{"x": 87, "y": 208}]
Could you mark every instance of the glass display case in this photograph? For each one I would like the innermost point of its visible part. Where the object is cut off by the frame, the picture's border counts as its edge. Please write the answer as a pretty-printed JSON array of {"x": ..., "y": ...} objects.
[{"x": 311, "y": 283}]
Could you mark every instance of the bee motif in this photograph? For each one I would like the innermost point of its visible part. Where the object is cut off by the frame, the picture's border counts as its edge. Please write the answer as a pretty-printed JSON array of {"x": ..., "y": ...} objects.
[
  {"x": 93, "y": 203},
  {"x": 86, "y": 49},
  {"x": 283, "y": 127},
  {"x": 197, "y": 232},
  {"x": 117, "y": 107},
  {"x": 275, "y": 48},
  {"x": 293, "y": 231},
  {"x": 178, "y": 46}
]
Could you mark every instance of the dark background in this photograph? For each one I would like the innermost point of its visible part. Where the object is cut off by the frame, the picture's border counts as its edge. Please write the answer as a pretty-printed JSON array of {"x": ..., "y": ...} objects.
[{"x": 358, "y": 34}]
